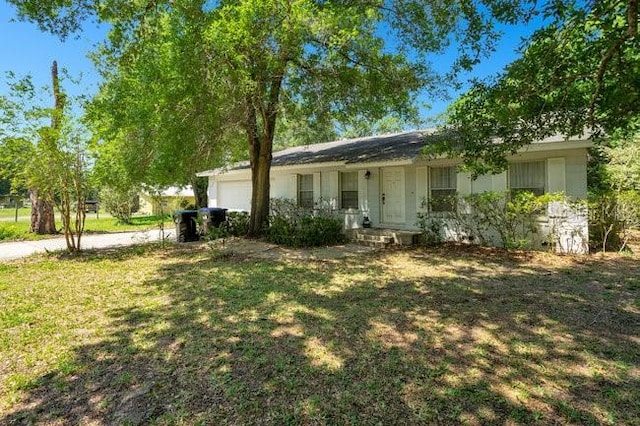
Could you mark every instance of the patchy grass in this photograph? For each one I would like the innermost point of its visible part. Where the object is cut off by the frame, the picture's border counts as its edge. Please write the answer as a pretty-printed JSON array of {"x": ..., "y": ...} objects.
[{"x": 192, "y": 335}]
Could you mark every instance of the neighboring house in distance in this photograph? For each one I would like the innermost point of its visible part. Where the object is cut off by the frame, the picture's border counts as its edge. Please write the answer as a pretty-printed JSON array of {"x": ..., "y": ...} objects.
[
  {"x": 385, "y": 178},
  {"x": 172, "y": 198}
]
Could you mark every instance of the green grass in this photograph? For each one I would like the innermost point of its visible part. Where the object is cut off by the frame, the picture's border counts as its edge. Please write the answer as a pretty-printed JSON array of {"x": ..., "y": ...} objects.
[
  {"x": 11, "y": 230},
  {"x": 11, "y": 212},
  {"x": 191, "y": 335}
]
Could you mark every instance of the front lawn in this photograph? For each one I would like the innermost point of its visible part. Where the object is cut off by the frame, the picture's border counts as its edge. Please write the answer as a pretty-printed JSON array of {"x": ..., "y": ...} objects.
[
  {"x": 192, "y": 335},
  {"x": 11, "y": 230}
]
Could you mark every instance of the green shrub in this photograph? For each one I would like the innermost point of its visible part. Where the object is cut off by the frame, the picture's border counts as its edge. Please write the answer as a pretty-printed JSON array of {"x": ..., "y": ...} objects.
[
  {"x": 120, "y": 204},
  {"x": 611, "y": 216},
  {"x": 512, "y": 216},
  {"x": 293, "y": 226},
  {"x": 509, "y": 217},
  {"x": 238, "y": 223},
  {"x": 9, "y": 232},
  {"x": 430, "y": 225},
  {"x": 218, "y": 232}
]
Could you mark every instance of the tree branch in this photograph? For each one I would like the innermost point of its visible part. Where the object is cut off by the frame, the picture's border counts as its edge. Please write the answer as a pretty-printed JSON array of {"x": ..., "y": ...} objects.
[{"x": 602, "y": 69}]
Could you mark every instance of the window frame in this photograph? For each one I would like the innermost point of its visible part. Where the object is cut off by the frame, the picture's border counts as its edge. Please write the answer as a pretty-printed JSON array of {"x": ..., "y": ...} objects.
[
  {"x": 443, "y": 203},
  {"x": 535, "y": 190},
  {"x": 303, "y": 199},
  {"x": 350, "y": 191}
]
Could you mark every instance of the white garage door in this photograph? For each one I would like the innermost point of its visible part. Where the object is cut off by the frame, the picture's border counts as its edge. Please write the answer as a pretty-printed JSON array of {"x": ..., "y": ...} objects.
[{"x": 235, "y": 195}]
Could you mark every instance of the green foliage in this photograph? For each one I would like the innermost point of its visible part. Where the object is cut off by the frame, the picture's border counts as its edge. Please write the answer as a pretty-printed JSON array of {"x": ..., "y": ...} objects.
[
  {"x": 235, "y": 225},
  {"x": 186, "y": 80},
  {"x": 9, "y": 232},
  {"x": 218, "y": 232},
  {"x": 577, "y": 74},
  {"x": 15, "y": 154},
  {"x": 238, "y": 223},
  {"x": 506, "y": 218},
  {"x": 623, "y": 165},
  {"x": 119, "y": 203},
  {"x": 44, "y": 150},
  {"x": 430, "y": 225},
  {"x": 293, "y": 226},
  {"x": 511, "y": 215},
  {"x": 611, "y": 216}
]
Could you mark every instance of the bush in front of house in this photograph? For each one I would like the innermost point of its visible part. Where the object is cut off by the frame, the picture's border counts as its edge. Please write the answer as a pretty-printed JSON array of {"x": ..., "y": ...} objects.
[
  {"x": 294, "y": 226},
  {"x": 238, "y": 223},
  {"x": 506, "y": 218},
  {"x": 611, "y": 217}
]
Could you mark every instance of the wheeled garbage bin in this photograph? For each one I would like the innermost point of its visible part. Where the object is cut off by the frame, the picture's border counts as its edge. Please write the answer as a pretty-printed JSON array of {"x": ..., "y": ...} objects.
[
  {"x": 186, "y": 225},
  {"x": 212, "y": 217}
]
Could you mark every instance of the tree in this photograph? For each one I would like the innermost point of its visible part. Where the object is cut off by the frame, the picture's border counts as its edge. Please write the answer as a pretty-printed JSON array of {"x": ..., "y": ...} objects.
[
  {"x": 578, "y": 74},
  {"x": 14, "y": 155},
  {"x": 338, "y": 59},
  {"x": 22, "y": 118},
  {"x": 52, "y": 167}
]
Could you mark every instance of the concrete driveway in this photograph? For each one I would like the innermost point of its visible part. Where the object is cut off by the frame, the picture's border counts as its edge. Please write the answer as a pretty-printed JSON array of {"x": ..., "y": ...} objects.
[{"x": 19, "y": 249}]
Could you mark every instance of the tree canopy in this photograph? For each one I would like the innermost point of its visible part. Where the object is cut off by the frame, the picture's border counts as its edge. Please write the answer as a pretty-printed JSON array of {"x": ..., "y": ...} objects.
[
  {"x": 189, "y": 74},
  {"x": 577, "y": 75}
]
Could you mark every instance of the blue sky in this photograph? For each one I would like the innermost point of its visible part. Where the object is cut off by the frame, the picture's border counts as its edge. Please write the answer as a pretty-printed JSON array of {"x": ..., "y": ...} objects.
[{"x": 27, "y": 50}]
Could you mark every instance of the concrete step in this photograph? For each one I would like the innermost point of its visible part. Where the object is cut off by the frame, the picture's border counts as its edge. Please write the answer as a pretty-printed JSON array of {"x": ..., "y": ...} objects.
[
  {"x": 373, "y": 238},
  {"x": 376, "y": 237}
]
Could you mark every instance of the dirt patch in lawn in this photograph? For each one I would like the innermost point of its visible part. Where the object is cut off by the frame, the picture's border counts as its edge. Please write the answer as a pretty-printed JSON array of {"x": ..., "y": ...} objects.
[{"x": 257, "y": 249}]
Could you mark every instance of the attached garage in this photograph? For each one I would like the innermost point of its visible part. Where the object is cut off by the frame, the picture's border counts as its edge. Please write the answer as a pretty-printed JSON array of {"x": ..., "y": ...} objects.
[{"x": 234, "y": 195}]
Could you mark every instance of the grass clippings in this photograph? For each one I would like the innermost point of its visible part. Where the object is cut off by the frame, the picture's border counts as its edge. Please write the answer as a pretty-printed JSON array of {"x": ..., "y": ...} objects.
[{"x": 453, "y": 335}]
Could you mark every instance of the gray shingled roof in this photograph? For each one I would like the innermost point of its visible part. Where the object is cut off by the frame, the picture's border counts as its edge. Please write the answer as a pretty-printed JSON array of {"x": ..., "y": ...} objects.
[
  {"x": 399, "y": 146},
  {"x": 372, "y": 149}
]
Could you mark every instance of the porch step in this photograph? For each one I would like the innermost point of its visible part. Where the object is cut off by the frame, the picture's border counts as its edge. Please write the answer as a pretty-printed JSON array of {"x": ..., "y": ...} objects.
[{"x": 382, "y": 238}]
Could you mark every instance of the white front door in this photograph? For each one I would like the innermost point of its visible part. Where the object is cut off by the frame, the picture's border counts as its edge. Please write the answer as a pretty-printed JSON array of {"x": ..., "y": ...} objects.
[{"x": 392, "y": 197}]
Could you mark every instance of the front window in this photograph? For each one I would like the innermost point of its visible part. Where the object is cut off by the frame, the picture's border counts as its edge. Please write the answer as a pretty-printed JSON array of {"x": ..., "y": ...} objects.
[
  {"x": 529, "y": 176},
  {"x": 305, "y": 191},
  {"x": 443, "y": 189},
  {"x": 349, "y": 190}
]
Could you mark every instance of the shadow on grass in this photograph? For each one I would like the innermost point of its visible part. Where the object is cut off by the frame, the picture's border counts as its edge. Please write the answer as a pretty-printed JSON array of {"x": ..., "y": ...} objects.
[{"x": 418, "y": 337}]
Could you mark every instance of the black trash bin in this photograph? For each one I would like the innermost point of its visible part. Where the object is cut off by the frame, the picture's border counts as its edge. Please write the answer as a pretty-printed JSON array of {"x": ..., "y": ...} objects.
[
  {"x": 212, "y": 217},
  {"x": 186, "y": 225}
]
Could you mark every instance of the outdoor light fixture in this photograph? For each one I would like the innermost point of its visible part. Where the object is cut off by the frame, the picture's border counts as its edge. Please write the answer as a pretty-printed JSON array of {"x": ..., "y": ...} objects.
[{"x": 367, "y": 174}]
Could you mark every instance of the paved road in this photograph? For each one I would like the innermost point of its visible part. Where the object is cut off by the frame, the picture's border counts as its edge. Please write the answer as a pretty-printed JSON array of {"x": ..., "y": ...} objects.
[{"x": 16, "y": 250}]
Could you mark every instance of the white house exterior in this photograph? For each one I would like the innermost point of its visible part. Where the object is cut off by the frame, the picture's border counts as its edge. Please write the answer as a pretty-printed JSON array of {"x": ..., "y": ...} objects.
[{"x": 386, "y": 178}]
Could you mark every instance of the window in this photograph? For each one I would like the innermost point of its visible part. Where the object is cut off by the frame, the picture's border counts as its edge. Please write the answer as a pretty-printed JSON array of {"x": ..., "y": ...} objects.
[
  {"x": 349, "y": 190},
  {"x": 443, "y": 189},
  {"x": 529, "y": 176},
  {"x": 305, "y": 191}
]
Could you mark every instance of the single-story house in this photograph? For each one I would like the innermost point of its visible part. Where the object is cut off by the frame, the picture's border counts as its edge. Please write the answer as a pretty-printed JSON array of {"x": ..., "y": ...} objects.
[
  {"x": 169, "y": 199},
  {"x": 386, "y": 178}
]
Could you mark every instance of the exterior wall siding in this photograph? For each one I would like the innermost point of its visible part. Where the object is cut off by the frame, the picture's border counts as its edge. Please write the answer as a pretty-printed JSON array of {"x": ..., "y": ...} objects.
[{"x": 566, "y": 170}]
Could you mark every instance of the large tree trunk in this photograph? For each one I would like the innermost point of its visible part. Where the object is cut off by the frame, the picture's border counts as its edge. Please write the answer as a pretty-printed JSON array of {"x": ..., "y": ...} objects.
[
  {"x": 199, "y": 186},
  {"x": 260, "y": 151},
  {"x": 43, "y": 219},
  {"x": 42, "y": 202}
]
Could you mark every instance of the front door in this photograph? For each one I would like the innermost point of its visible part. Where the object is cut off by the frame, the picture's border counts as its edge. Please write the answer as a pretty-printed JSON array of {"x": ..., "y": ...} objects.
[{"x": 392, "y": 197}]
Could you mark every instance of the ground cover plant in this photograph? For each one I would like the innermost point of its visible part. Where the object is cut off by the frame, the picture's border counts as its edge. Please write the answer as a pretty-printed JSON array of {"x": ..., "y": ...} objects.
[{"x": 194, "y": 335}]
